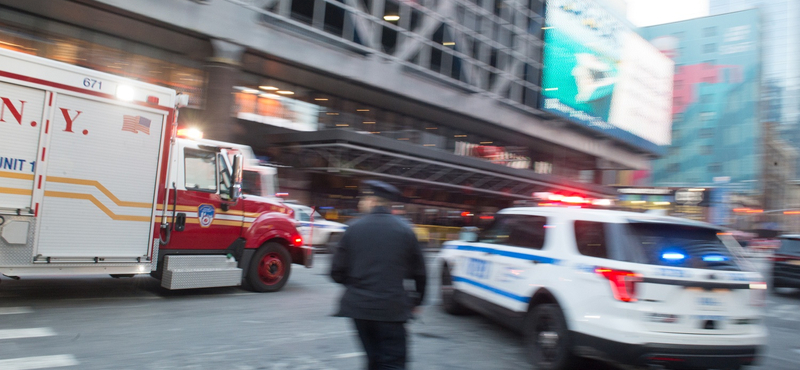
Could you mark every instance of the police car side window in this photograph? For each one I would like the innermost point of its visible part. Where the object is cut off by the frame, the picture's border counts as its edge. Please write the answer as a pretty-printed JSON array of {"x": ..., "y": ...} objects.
[
  {"x": 591, "y": 239},
  {"x": 516, "y": 230}
]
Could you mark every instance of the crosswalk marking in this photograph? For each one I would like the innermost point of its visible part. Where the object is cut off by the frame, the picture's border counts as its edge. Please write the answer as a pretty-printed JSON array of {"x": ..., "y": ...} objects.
[
  {"x": 14, "y": 310},
  {"x": 349, "y": 355},
  {"x": 38, "y": 362},
  {"x": 26, "y": 333}
]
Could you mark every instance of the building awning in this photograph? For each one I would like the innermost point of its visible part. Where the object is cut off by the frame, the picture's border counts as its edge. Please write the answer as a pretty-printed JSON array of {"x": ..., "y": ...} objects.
[{"x": 352, "y": 153}]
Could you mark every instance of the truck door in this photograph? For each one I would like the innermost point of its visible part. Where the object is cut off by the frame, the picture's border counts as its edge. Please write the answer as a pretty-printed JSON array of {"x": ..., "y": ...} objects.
[
  {"x": 204, "y": 218},
  {"x": 21, "y": 111}
]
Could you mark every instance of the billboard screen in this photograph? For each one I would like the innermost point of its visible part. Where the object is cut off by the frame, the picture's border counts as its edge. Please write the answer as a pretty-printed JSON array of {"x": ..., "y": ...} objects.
[{"x": 599, "y": 73}]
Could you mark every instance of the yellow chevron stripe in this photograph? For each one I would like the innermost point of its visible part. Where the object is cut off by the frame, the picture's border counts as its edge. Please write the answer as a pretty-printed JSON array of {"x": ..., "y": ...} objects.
[
  {"x": 217, "y": 210},
  {"x": 97, "y": 203},
  {"x": 16, "y": 191},
  {"x": 213, "y": 223},
  {"x": 16, "y": 175},
  {"x": 99, "y": 186}
]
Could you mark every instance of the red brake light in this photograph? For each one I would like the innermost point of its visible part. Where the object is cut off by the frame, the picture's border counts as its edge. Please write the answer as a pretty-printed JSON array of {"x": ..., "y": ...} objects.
[
  {"x": 298, "y": 241},
  {"x": 623, "y": 283}
]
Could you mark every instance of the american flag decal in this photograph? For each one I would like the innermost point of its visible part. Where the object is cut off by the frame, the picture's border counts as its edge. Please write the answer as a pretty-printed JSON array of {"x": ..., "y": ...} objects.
[{"x": 136, "y": 124}]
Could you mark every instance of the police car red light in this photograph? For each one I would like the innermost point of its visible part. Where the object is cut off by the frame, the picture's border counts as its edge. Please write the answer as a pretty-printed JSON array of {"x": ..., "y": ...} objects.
[{"x": 623, "y": 283}]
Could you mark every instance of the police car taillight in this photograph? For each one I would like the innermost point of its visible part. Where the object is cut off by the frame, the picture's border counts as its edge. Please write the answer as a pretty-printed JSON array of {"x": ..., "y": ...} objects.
[
  {"x": 623, "y": 283},
  {"x": 758, "y": 293}
]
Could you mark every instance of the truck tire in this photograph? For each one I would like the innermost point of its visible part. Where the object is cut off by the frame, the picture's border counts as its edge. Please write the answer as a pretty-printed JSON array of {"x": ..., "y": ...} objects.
[{"x": 269, "y": 268}]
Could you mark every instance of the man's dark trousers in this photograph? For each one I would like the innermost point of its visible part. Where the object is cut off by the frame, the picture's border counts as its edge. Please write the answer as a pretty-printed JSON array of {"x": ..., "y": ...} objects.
[{"x": 384, "y": 342}]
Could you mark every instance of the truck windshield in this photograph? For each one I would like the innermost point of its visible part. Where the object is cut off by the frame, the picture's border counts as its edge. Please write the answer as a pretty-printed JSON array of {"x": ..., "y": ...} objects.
[{"x": 683, "y": 246}]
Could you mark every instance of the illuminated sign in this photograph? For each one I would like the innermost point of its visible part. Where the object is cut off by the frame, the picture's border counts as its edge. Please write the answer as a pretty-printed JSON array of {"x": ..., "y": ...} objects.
[{"x": 599, "y": 73}]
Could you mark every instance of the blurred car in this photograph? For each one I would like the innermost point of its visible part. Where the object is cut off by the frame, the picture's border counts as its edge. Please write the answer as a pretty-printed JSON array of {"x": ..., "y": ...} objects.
[
  {"x": 315, "y": 229},
  {"x": 629, "y": 288},
  {"x": 786, "y": 263}
]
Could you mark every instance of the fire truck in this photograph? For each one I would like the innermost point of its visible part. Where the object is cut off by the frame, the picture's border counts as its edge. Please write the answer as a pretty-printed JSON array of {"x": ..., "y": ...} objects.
[{"x": 95, "y": 179}]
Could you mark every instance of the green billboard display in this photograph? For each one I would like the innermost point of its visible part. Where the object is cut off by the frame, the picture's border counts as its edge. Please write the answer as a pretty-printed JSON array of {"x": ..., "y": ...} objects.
[{"x": 599, "y": 73}]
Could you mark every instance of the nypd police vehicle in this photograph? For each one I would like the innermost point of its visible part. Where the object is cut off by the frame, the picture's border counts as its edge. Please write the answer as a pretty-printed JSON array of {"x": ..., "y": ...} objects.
[
  {"x": 316, "y": 230},
  {"x": 621, "y": 287}
]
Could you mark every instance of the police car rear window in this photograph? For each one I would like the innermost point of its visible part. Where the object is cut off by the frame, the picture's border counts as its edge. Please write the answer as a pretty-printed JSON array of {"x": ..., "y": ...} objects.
[
  {"x": 682, "y": 246},
  {"x": 790, "y": 246}
]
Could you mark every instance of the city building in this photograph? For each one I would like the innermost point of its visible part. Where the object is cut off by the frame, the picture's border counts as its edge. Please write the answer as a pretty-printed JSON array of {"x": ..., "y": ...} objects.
[
  {"x": 456, "y": 102},
  {"x": 717, "y": 135},
  {"x": 780, "y": 20}
]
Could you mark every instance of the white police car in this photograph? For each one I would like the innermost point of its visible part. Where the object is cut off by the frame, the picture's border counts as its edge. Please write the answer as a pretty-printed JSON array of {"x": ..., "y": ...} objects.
[
  {"x": 627, "y": 288},
  {"x": 315, "y": 228}
]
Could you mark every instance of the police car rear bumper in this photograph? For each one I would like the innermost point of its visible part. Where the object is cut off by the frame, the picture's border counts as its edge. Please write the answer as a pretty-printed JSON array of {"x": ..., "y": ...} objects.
[{"x": 673, "y": 356}]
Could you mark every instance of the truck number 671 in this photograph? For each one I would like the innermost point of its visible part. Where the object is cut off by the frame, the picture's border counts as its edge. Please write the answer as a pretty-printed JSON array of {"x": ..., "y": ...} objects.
[{"x": 92, "y": 83}]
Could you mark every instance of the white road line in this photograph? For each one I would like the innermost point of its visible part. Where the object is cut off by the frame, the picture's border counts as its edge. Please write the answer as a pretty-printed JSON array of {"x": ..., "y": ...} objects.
[
  {"x": 26, "y": 333},
  {"x": 39, "y": 362},
  {"x": 14, "y": 310},
  {"x": 350, "y": 355}
]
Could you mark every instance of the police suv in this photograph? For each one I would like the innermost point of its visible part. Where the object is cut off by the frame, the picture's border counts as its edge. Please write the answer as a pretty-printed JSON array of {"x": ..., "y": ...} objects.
[{"x": 622, "y": 287}]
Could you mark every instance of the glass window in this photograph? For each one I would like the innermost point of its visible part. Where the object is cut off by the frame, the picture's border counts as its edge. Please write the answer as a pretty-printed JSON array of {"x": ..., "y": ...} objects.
[
  {"x": 682, "y": 246},
  {"x": 706, "y": 133},
  {"x": 707, "y": 149},
  {"x": 591, "y": 239},
  {"x": 303, "y": 215},
  {"x": 517, "y": 230},
  {"x": 710, "y": 31},
  {"x": 673, "y": 167},
  {"x": 789, "y": 246},
  {"x": 224, "y": 178},
  {"x": 710, "y": 48},
  {"x": 200, "y": 170},
  {"x": 715, "y": 167},
  {"x": 251, "y": 183}
]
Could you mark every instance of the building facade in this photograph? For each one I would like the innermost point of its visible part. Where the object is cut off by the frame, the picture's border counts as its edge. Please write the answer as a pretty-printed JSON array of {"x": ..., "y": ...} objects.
[
  {"x": 716, "y": 132},
  {"x": 443, "y": 98},
  {"x": 781, "y": 74}
]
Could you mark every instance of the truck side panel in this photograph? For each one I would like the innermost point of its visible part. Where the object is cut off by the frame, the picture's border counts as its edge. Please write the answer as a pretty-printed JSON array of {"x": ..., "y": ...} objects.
[
  {"x": 102, "y": 166},
  {"x": 21, "y": 110}
]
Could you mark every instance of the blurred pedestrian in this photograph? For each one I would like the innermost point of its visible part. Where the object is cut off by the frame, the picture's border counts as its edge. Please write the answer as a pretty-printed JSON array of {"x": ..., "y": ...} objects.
[{"x": 376, "y": 254}]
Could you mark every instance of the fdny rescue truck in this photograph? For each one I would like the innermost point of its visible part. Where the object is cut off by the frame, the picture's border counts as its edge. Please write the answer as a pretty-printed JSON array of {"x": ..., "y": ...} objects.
[{"x": 95, "y": 180}]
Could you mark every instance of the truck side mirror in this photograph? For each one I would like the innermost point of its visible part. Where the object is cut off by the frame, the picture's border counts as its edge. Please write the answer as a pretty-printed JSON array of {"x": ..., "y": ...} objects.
[{"x": 236, "y": 189}]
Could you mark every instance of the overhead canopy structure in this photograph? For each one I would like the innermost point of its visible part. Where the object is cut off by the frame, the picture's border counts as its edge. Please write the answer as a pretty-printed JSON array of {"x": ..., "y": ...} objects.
[{"x": 360, "y": 154}]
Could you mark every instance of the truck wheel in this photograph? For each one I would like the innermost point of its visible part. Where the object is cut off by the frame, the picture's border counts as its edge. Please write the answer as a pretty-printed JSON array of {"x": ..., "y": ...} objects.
[
  {"x": 547, "y": 338},
  {"x": 269, "y": 269},
  {"x": 449, "y": 304}
]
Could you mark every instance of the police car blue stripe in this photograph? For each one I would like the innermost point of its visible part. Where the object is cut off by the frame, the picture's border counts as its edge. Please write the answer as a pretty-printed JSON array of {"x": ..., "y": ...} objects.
[
  {"x": 500, "y": 252},
  {"x": 492, "y": 289}
]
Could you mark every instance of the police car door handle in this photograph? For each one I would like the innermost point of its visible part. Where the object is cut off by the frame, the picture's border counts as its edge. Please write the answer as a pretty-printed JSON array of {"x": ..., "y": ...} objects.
[{"x": 535, "y": 262}]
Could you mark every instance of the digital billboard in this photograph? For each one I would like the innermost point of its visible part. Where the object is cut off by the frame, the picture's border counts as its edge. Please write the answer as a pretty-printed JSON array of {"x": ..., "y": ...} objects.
[{"x": 599, "y": 73}]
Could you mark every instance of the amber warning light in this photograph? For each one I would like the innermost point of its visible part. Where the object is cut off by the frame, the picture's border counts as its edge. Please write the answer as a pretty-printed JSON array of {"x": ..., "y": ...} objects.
[{"x": 190, "y": 133}]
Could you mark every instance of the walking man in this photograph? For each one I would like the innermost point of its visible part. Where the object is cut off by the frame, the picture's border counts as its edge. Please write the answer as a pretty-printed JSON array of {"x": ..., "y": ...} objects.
[{"x": 375, "y": 255}]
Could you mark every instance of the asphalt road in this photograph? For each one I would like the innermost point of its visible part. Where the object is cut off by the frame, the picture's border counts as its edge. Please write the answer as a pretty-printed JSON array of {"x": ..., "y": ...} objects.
[{"x": 104, "y": 323}]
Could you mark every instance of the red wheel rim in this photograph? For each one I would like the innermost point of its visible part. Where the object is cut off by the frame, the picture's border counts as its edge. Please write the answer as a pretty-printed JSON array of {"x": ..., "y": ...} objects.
[{"x": 271, "y": 269}]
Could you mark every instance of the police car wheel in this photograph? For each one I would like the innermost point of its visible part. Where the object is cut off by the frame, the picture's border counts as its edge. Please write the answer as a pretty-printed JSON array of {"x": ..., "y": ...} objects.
[
  {"x": 269, "y": 269},
  {"x": 449, "y": 304},
  {"x": 547, "y": 338}
]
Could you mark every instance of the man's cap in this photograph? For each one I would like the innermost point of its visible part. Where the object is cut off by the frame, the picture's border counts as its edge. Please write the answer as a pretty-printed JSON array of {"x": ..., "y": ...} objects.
[{"x": 381, "y": 189}]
